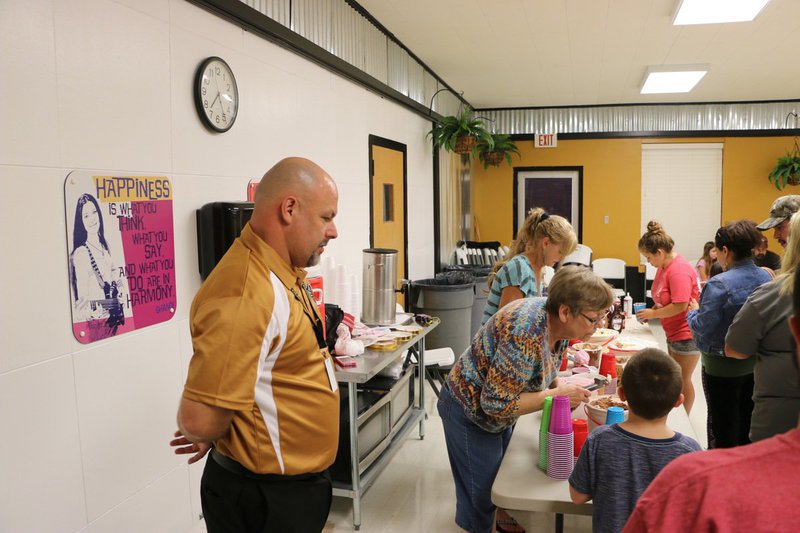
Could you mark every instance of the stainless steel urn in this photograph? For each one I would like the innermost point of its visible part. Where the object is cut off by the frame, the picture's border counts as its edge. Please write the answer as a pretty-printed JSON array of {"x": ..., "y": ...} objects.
[{"x": 378, "y": 298}]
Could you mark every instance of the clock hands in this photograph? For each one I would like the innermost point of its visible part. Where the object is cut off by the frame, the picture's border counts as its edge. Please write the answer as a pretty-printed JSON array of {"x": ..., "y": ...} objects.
[
  {"x": 219, "y": 93},
  {"x": 213, "y": 101}
]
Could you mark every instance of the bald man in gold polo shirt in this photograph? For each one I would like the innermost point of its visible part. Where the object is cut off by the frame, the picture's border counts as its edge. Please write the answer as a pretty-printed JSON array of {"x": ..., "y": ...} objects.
[{"x": 261, "y": 385}]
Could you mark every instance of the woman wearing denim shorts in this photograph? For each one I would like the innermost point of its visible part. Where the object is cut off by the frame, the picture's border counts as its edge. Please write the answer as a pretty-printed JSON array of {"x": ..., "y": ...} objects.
[
  {"x": 675, "y": 285},
  {"x": 507, "y": 371}
]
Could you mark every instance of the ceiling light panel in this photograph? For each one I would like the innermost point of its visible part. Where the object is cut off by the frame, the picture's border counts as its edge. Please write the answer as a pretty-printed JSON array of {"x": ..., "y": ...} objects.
[
  {"x": 672, "y": 79},
  {"x": 717, "y": 11}
]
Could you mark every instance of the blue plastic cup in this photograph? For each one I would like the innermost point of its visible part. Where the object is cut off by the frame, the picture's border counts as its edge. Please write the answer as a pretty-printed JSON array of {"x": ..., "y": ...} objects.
[
  {"x": 615, "y": 415},
  {"x": 638, "y": 306}
]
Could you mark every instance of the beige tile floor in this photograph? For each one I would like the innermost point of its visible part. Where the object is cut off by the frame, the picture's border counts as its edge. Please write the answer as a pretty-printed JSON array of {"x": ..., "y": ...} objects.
[{"x": 415, "y": 493}]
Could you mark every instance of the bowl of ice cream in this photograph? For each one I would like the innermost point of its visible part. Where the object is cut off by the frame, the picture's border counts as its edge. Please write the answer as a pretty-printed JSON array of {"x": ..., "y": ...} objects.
[
  {"x": 597, "y": 408},
  {"x": 592, "y": 349}
]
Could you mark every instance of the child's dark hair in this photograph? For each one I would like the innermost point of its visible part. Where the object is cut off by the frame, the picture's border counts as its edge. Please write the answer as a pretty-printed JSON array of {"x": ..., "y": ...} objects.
[
  {"x": 652, "y": 382},
  {"x": 740, "y": 237}
]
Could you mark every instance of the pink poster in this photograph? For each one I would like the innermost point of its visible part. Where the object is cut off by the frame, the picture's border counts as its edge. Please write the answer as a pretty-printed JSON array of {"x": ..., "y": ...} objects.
[{"x": 121, "y": 253}]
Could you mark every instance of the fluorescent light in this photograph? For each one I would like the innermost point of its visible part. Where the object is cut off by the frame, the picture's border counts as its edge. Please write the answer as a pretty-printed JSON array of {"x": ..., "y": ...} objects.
[
  {"x": 672, "y": 79},
  {"x": 717, "y": 11}
]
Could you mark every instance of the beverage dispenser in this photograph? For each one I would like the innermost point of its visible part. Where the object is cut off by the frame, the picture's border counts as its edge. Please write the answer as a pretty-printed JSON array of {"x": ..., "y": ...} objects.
[{"x": 379, "y": 275}]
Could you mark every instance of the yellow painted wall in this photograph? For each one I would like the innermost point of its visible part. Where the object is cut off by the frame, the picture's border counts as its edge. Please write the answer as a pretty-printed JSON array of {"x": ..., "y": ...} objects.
[{"x": 612, "y": 170}]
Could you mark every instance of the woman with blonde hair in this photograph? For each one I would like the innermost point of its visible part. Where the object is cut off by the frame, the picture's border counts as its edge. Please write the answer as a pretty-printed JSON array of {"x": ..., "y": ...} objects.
[
  {"x": 761, "y": 330},
  {"x": 674, "y": 286},
  {"x": 543, "y": 240}
]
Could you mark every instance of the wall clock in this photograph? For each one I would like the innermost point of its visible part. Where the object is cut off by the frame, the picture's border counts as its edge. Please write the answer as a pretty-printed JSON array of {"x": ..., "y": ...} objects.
[{"x": 216, "y": 95}]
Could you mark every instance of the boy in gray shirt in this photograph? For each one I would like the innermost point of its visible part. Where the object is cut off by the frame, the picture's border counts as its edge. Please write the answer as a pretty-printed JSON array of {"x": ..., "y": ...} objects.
[{"x": 618, "y": 462}]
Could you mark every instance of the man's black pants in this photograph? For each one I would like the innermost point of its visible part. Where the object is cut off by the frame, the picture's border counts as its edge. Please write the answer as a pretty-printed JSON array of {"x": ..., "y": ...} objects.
[{"x": 246, "y": 502}]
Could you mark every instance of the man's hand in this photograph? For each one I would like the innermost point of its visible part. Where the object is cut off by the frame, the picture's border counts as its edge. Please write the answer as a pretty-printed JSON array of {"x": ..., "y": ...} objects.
[
  {"x": 693, "y": 305},
  {"x": 183, "y": 446}
]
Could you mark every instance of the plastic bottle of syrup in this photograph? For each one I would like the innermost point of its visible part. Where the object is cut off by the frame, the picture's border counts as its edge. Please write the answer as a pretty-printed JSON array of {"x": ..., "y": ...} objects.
[{"x": 617, "y": 317}]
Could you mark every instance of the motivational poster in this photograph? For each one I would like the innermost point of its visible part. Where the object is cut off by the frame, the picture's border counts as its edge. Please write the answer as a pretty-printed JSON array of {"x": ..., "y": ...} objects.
[{"x": 121, "y": 248}]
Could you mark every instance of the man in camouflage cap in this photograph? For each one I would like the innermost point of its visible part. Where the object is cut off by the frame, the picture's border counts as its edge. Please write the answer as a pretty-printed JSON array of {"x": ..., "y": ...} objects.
[{"x": 779, "y": 214}]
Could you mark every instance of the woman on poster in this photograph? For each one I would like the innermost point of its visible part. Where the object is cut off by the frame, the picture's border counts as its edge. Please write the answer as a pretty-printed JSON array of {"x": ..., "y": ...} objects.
[{"x": 97, "y": 284}]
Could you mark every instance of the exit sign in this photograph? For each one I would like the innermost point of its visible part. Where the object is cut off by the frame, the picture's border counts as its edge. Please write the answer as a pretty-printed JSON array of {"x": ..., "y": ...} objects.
[{"x": 545, "y": 140}]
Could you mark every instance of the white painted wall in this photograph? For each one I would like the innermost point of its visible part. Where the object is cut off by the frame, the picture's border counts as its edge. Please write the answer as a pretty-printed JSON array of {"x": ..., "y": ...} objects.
[{"x": 102, "y": 84}]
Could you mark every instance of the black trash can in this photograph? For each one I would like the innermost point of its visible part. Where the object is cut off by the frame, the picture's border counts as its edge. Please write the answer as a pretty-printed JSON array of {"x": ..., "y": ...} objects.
[{"x": 450, "y": 297}]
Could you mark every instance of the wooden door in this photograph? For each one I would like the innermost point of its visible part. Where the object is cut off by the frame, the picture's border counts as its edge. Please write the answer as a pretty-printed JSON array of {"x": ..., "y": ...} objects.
[{"x": 388, "y": 227}]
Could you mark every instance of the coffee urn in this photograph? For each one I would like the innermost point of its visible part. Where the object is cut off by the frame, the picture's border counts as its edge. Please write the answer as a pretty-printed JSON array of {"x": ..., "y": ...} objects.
[{"x": 378, "y": 297}]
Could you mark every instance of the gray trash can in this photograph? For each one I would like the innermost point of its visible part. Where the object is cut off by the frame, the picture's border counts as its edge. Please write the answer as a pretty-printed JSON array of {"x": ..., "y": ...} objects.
[
  {"x": 452, "y": 304},
  {"x": 479, "y": 304},
  {"x": 480, "y": 275}
]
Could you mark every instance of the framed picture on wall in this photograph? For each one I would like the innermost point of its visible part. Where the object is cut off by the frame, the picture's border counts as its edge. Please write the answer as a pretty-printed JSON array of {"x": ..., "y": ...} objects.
[{"x": 558, "y": 190}]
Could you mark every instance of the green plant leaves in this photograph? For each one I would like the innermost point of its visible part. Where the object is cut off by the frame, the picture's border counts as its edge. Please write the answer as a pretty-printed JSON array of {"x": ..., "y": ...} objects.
[
  {"x": 499, "y": 143},
  {"x": 786, "y": 170}
]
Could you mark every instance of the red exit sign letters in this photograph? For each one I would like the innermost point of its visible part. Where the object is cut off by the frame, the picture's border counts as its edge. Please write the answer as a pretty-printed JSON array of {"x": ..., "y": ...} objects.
[{"x": 545, "y": 140}]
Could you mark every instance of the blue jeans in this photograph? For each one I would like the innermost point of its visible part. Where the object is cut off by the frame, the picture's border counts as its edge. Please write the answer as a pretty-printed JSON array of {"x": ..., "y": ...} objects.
[{"x": 475, "y": 455}]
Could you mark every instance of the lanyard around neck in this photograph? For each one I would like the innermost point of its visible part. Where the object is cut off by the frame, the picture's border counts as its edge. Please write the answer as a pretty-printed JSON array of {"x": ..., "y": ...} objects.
[{"x": 316, "y": 323}]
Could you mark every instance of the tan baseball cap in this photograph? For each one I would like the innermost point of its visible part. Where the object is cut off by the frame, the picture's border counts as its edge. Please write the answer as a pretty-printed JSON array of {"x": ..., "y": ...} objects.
[{"x": 782, "y": 209}]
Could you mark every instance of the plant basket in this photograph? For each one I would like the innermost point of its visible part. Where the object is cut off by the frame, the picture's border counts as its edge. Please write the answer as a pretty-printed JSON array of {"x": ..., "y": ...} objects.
[
  {"x": 794, "y": 179},
  {"x": 493, "y": 158},
  {"x": 464, "y": 144}
]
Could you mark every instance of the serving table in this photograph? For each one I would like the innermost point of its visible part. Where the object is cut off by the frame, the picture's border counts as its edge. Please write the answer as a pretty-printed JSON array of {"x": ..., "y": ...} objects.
[
  {"x": 521, "y": 487},
  {"x": 365, "y": 471}
]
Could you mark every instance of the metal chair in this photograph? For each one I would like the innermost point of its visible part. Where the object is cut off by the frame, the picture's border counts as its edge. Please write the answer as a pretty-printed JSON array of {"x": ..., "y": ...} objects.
[
  {"x": 613, "y": 271},
  {"x": 437, "y": 365}
]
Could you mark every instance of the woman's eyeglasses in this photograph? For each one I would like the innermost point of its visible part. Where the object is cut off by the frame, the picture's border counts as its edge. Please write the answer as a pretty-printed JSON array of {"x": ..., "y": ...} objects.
[{"x": 595, "y": 321}]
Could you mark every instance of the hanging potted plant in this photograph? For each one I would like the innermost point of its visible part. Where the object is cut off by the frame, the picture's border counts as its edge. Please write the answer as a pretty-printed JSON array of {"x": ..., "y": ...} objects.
[
  {"x": 787, "y": 169},
  {"x": 500, "y": 148},
  {"x": 459, "y": 133}
]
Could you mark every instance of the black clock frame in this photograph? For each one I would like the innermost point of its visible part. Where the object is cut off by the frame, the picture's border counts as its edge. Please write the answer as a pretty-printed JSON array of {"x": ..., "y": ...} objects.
[{"x": 198, "y": 97}]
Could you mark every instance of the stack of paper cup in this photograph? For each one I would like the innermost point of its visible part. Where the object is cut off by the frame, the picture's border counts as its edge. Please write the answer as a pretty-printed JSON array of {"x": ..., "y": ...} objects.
[
  {"x": 543, "y": 430},
  {"x": 342, "y": 292},
  {"x": 328, "y": 274},
  {"x": 354, "y": 298},
  {"x": 560, "y": 444}
]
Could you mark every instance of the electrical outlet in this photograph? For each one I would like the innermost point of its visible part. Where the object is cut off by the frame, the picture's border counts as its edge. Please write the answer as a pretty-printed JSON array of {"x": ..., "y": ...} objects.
[{"x": 605, "y": 219}]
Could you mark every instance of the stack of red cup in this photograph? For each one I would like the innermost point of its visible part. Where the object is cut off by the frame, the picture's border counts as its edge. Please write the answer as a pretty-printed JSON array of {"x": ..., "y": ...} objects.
[
  {"x": 608, "y": 368},
  {"x": 580, "y": 430}
]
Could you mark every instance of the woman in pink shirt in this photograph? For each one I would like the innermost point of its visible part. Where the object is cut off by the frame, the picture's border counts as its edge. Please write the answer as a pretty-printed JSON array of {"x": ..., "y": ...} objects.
[{"x": 674, "y": 286}]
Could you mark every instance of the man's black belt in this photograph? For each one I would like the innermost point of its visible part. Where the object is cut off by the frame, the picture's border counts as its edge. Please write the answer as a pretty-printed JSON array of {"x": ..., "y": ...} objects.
[{"x": 235, "y": 468}]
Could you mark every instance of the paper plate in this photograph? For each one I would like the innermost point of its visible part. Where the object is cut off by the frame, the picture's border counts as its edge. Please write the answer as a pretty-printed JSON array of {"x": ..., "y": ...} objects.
[
  {"x": 629, "y": 345},
  {"x": 602, "y": 335}
]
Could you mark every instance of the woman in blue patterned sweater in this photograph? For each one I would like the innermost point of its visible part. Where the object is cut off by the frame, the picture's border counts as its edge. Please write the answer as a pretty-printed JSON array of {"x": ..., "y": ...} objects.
[{"x": 507, "y": 371}]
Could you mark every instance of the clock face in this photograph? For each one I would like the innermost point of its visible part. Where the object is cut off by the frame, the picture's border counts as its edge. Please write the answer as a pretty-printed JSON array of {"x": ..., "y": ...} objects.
[{"x": 216, "y": 94}]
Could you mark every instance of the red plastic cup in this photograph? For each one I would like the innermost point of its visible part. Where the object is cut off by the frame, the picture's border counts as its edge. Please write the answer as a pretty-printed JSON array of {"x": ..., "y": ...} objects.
[
  {"x": 581, "y": 430},
  {"x": 608, "y": 365},
  {"x": 564, "y": 364}
]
